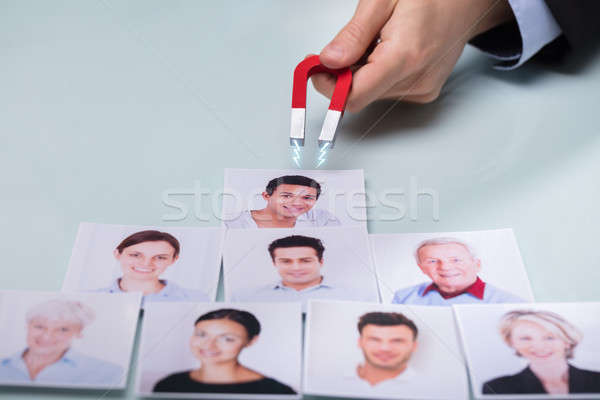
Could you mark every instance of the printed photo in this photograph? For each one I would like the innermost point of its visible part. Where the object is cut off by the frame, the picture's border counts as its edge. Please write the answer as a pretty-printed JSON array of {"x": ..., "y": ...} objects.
[
  {"x": 294, "y": 265},
  {"x": 480, "y": 267},
  {"x": 220, "y": 350},
  {"x": 164, "y": 264},
  {"x": 293, "y": 198},
  {"x": 75, "y": 340},
  {"x": 377, "y": 351},
  {"x": 538, "y": 350}
]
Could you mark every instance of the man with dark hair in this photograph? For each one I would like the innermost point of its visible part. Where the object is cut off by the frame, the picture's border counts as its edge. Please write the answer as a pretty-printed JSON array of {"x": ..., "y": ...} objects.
[
  {"x": 290, "y": 200},
  {"x": 387, "y": 340},
  {"x": 299, "y": 262}
]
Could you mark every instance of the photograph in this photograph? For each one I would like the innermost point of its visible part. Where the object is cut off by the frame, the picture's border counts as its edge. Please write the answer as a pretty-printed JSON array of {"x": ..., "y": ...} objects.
[
  {"x": 165, "y": 264},
  {"x": 220, "y": 350},
  {"x": 446, "y": 268},
  {"x": 532, "y": 351},
  {"x": 294, "y": 265},
  {"x": 265, "y": 198},
  {"x": 382, "y": 351},
  {"x": 67, "y": 340}
]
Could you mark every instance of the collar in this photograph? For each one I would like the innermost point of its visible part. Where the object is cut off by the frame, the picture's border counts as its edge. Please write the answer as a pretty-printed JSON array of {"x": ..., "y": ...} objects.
[
  {"x": 324, "y": 283},
  {"x": 164, "y": 292},
  {"x": 476, "y": 289},
  {"x": 69, "y": 358}
]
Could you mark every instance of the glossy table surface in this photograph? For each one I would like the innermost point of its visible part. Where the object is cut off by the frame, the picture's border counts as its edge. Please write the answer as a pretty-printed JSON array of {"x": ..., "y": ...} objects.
[{"x": 105, "y": 105}]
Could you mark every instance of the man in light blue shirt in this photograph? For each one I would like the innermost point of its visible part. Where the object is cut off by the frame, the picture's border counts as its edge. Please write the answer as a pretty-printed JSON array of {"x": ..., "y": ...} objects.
[
  {"x": 49, "y": 359},
  {"x": 453, "y": 268},
  {"x": 299, "y": 260}
]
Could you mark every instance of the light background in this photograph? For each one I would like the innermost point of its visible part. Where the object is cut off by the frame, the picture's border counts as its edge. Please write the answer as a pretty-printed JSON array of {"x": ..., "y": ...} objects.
[
  {"x": 331, "y": 349},
  {"x": 482, "y": 342},
  {"x": 93, "y": 265},
  {"x": 338, "y": 190},
  {"x": 107, "y": 104},
  {"x": 501, "y": 263},
  {"x": 109, "y": 337},
  {"x": 347, "y": 262},
  {"x": 167, "y": 329}
]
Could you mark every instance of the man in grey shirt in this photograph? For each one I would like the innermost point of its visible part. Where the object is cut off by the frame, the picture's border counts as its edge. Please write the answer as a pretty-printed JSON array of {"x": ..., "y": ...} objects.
[{"x": 299, "y": 261}]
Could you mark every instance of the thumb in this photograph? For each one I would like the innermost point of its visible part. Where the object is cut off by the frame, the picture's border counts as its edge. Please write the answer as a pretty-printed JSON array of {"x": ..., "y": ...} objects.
[{"x": 352, "y": 41}]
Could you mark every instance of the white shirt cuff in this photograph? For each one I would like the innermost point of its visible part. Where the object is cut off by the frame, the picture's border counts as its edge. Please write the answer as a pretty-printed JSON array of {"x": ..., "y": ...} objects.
[{"x": 536, "y": 25}]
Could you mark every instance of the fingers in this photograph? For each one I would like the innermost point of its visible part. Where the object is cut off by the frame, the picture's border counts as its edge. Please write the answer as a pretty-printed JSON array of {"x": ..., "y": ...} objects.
[{"x": 352, "y": 41}]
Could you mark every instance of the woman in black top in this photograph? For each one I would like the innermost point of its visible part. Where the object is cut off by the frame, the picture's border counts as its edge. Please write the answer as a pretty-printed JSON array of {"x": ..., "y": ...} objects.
[
  {"x": 547, "y": 341},
  {"x": 219, "y": 337}
]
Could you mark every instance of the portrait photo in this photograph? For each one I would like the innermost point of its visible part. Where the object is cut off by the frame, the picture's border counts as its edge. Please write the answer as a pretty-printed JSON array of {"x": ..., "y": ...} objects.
[
  {"x": 220, "y": 350},
  {"x": 262, "y": 198},
  {"x": 382, "y": 351},
  {"x": 67, "y": 340},
  {"x": 294, "y": 265},
  {"x": 165, "y": 264},
  {"x": 539, "y": 350},
  {"x": 446, "y": 268}
]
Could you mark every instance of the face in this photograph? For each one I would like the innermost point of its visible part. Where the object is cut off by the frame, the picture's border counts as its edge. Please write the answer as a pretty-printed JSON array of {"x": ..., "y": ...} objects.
[
  {"x": 297, "y": 265},
  {"x": 46, "y": 336},
  {"x": 218, "y": 341},
  {"x": 387, "y": 347},
  {"x": 450, "y": 266},
  {"x": 146, "y": 260},
  {"x": 536, "y": 343},
  {"x": 291, "y": 200}
]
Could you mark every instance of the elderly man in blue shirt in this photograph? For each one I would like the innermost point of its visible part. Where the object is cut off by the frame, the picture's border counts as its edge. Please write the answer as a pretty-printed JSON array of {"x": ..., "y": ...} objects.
[
  {"x": 49, "y": 359},
  {"x": 452, "y": 267}
]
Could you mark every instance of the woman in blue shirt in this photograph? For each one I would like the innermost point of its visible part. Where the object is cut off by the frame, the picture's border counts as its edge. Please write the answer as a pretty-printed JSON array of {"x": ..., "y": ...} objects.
[
  {"x": 49, "y": 359},
  {"x": 143, "y": 257}
]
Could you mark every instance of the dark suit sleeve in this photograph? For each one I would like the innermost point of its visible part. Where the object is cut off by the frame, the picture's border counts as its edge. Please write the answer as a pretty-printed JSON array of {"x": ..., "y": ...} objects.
[{"x": 578, "y": 19}]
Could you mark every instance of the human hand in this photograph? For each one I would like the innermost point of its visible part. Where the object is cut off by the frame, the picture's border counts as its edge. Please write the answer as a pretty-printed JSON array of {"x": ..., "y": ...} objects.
[{"x": 405, "y": 49}]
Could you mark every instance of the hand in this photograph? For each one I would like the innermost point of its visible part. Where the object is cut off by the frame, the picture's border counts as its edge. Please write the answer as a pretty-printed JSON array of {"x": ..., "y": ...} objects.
[{"x": 405, "y": 49}]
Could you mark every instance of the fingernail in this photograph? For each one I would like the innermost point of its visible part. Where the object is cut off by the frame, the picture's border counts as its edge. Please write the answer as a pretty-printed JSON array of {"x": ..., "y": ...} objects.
[{"x": 334, "y": 51}]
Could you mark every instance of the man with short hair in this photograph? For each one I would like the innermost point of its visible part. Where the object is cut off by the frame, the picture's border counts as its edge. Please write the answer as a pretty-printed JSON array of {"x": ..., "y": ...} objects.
[
  {"x": 290, "y": 201},
  {"x": 453, "y": 267},
  {"x": 299, "y": 262},
  {"x": 387, "y": 340}
]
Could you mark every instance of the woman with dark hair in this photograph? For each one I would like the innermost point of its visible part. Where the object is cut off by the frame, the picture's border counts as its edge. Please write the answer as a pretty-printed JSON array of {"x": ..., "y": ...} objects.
[
  {"x": 143, "y": 257},
  {"x": 217, "y": 341}
]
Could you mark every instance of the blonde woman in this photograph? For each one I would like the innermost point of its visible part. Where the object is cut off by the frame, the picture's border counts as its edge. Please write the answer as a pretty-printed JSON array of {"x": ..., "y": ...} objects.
[{"x": 547, "y": 341}]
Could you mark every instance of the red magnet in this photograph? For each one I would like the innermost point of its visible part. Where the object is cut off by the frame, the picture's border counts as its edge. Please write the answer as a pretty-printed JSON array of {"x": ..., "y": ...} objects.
[{"x": 303, "y": 71}]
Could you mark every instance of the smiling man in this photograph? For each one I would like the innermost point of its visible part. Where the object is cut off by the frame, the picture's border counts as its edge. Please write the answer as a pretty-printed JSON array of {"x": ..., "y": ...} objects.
[
  {"x": 387, "y": 341},
  {"x": 299, "y": 262},
  {"x": 452, "y": 267},
  {"x": 289, "y": 203}
]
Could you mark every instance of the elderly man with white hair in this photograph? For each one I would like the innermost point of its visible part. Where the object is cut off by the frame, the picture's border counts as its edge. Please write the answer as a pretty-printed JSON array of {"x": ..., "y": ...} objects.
[
  {"x": 452, "y": 267},
  {"x": 48, "y": 358}
]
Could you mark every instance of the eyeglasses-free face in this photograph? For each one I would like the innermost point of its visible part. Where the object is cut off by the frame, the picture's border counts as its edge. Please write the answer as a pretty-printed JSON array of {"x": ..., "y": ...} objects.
[
  {"x": 146, "y": 260},
  {"x": 291, "y": 200}
]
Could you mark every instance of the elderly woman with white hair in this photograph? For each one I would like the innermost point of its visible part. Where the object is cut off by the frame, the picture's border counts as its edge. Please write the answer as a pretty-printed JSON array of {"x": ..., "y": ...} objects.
[
  {"x": 547, "y": 341},
  {"x": 48, "y": 358}
]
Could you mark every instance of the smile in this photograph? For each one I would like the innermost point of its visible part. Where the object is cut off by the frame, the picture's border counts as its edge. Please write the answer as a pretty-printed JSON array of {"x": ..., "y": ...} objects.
[
  {"x": 143, "y": 270},
  {"x": 450, "y": 274},
  {"x": 384, "y": 356},
  {"x": 294, "y": 209},
  {"x": 542, "y": 355},
  {"x": 208, "y": 353}
]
